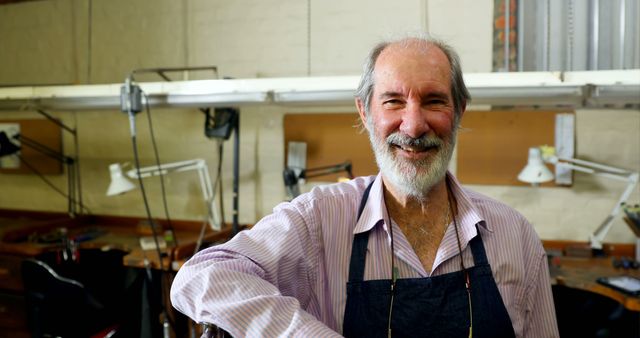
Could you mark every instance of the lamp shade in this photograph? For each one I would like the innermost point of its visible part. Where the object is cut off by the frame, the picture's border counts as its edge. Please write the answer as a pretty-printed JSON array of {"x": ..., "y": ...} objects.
[
  {"x": 535, "y": 171},
  {"x": 119, "y": 183},
  {"x": 6, "y": 146}
]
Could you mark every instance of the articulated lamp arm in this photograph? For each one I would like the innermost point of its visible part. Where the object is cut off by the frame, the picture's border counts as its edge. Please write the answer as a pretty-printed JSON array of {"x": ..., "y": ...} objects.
[
  {"x": 631, "y": 178},
  {"x": 206, "y": 187},
  {"x": 291, "y": 177},
  {"x": 199, "y": 165}
]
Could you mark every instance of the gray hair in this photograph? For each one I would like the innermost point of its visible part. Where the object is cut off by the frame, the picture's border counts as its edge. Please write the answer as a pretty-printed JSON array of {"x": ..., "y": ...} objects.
[{"x": 459, "y": 90}]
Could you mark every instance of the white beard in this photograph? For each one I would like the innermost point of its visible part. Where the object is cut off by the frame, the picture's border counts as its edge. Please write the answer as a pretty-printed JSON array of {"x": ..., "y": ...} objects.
[{"x": 411, "y": 178}]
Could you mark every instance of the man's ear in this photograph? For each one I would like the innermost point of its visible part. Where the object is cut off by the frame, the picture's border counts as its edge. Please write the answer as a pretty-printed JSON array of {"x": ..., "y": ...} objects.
[
  {"x": 463, "y": 109},
  {"x": 362, "y": 112}
]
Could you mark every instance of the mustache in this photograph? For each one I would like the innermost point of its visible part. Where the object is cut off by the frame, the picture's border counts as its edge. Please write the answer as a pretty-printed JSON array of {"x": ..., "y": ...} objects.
[{"x": 424, "y": 141}]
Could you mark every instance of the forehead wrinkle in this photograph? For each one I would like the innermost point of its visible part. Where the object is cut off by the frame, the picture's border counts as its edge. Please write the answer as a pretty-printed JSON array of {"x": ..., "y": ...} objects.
[
  {"x": 412, "y": 64},
  {"x": 419, "y": 52},
  {"x": 427, "y": 89},
  {"x": 389, "y": 94}
]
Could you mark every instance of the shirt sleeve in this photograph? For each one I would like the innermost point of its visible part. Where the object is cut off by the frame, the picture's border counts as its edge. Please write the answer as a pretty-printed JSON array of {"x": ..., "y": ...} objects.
[
  {"x": 257, "y": 284},
  {"x": 540, "y": 311}
]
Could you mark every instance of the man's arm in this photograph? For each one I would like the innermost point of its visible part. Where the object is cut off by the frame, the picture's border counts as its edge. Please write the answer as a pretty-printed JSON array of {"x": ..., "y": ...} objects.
[
  {"x": 541, "y": 315},
  {"x": 258, "y": 283}
]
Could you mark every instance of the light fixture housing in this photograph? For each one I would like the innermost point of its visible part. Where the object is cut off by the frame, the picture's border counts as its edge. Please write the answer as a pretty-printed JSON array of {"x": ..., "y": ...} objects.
[
  {"x": 6, "y": 146},
  {"x": 535, "y": 172},
  {"x": 540, "y": 89},
  {"x": 119, "y": 183}
]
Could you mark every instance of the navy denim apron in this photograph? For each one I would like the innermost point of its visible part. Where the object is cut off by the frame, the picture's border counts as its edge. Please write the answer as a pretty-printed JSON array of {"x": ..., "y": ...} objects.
[{"x": 435, "y": 306}]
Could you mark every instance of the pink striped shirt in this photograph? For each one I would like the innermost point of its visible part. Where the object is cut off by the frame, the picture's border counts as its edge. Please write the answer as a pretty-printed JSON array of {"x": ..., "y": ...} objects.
[{"x": 287, "y": 275}]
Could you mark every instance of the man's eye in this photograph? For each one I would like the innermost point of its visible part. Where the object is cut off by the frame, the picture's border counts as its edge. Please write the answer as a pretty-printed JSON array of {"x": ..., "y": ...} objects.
[
  {"x": 393, "y": 102},
  {"x": 435, "y": 102}
]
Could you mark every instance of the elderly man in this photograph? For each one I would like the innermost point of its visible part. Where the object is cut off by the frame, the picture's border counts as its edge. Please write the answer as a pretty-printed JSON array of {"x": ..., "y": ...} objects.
[{"x": 406, "y": 253}]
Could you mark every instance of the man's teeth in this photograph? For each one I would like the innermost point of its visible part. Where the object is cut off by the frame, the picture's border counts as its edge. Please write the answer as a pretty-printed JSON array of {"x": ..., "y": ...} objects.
[{"x": 412, "y": 149}]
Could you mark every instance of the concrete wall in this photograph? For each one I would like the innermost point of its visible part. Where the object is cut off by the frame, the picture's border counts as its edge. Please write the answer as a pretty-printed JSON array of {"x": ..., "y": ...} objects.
[{"x": 101, "y": 41}]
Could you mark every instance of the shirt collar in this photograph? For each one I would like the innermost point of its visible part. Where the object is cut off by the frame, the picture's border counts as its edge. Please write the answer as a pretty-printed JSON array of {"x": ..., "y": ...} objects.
[
  {"x": 375, "y": 211},
  {"x": 468, "y": 215}
]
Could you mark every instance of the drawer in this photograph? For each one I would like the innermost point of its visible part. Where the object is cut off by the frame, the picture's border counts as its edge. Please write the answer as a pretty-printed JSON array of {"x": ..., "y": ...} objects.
[{"x": 10, "y": 273}]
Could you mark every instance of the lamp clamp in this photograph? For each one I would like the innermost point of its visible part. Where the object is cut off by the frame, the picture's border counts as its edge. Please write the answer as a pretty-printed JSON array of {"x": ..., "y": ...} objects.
[
  {"x": 130, "y": 97},
  {"x": 220, "y": 125}
]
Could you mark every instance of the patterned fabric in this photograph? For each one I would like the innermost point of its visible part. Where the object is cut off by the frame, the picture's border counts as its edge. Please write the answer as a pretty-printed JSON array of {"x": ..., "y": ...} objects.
[{"x": 287, "y": 275}]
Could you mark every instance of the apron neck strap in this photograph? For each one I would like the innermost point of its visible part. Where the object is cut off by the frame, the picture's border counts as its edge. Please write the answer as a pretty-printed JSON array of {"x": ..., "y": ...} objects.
[{"x": 360, "y": 242}]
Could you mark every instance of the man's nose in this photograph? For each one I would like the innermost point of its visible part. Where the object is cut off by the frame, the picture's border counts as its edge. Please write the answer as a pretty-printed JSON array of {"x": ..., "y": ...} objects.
[{"x": 414, "y": 120}]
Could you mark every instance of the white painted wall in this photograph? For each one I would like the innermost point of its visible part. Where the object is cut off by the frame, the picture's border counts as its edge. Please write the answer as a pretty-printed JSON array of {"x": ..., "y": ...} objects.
[
  {"x": 101, "y": 41},
  {"x": 607, "y": 136}
]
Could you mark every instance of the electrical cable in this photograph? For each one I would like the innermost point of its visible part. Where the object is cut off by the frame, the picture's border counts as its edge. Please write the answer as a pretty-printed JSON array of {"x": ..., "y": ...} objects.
[
  {"x": 157, "y": 157},
  {"x": 165, "y": 279},
  {"x": 394, "y": 276},
  {"x": 71, "y": 188},
  {"x": 144, "y": 194},
  {"x": 148, "y": 211},
  {"x": 209, "y": 205},
  {"x": 453, "y": 204},
  {"x": 203, "y": 227},
  {"x": 219, "y": 178},
  {"x": 76, "y": 146}
]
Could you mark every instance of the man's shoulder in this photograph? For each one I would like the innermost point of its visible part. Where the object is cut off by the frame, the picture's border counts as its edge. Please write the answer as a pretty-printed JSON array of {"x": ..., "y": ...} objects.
[
  {"x": 335, "y": 194},
  {"x": 493, "y": 208},
  {"x": 509, "y": 229},
  {"x": 355, "y": 186}
]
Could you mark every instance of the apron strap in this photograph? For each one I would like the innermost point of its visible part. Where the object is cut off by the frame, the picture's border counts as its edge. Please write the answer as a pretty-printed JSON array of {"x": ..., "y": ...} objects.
[
  {"x": 359, "y": 246},
  {"x": 365, "y": 197},
  {"x": 477, "y": 248}
]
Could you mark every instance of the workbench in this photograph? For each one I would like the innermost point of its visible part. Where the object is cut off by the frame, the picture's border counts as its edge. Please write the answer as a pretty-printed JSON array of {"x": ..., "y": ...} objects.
[{"x": 25, "y": 234}]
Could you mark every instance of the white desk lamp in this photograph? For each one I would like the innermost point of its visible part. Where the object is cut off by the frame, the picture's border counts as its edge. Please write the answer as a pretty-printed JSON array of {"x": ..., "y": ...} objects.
[
  {"x": 120, "y": 184},
  {"x": 536, "y": 172}
]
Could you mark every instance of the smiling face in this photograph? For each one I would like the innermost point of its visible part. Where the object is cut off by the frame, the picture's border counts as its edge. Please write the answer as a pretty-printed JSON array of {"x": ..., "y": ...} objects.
[{"x": 411, "y": 122}]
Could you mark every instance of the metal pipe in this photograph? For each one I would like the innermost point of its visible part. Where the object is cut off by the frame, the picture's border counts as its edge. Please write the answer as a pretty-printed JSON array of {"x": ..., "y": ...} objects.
[
  {"x": 507, "y": 31},
  {"x": 594, "y": 27},
  {"x": 520, "y": 32},
  {"x": 545, "y": 35},
  {"x": 570, "y": 34},
  {"x": 622, "y": 32}
]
